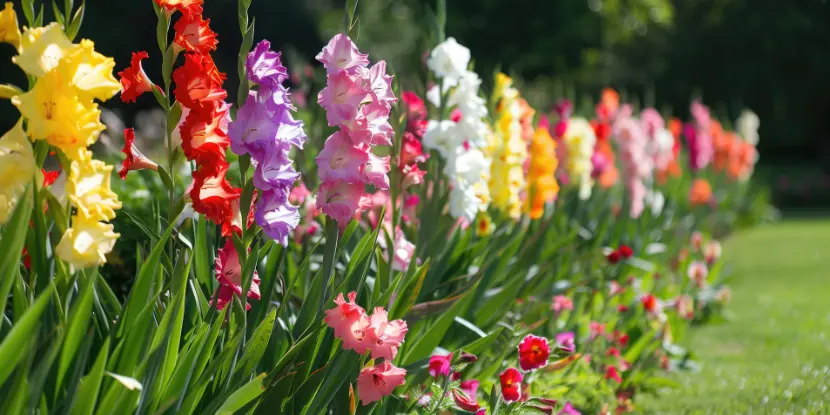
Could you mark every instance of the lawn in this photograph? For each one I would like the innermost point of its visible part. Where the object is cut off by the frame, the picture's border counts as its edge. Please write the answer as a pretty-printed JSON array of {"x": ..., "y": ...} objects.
[{"x": 774, "y": 354}]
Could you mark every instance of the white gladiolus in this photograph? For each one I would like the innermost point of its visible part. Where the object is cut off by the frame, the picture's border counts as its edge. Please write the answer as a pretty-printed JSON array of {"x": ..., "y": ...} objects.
[
  {"x": 748, "y": 124},
  {"x": 460, "y": 143},
  {"x": 449, "y": 60}
]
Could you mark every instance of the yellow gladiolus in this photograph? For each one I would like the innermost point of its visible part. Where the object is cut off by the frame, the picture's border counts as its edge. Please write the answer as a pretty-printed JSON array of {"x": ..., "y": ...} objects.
[
  {"x": 41, "y": 49},
  {"x": 91, "y": 72},
  {"x": 56, "y": 113},
  {"x": 86, "y": 243},
  {"x": 17, "y": 168},
  {"x": 88, "y": 187},
  {"x": 508, "y": 149},
  {"x": 9, "y": 30}
]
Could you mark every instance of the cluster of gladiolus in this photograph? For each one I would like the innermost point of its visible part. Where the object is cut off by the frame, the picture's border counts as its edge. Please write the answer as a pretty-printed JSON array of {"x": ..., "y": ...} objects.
[
  {"x": 637, "y": 165},
  {"x": 461, "y": 140},
  {"x": 358, "y": 101},
  {"x": 735, "y": 154},
  {"x": 507, "y": 149},
  {"x": 266, "y": 130},
  {"x": 541, "y": 174},
  {"x": 374, "y": 334},
  {"x": 412, "y": 150},
  {"x": 603, "y": 161},
  {"x": 534, "y": 353},
  {"x": 61, "y": 109}
]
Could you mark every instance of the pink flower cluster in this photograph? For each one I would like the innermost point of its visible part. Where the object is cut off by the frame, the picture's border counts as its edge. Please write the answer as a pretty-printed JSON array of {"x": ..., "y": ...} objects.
[
  {"x": 699, "y": 138},
  {"x": 358, "y": 100},
  {"x": 637, "y": 165},
  {"x": 229, "y": 273},
  {"x": 376, "y": 334}
]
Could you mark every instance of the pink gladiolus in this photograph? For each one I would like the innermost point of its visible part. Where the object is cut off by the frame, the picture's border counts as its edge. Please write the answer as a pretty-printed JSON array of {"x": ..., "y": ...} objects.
[
  {"x": 341, "y": 200},
  {"x": 373, "y": 383},
  {"x": 561, "y": 303},
  {"x": 349, "y": 322},
  {"x": 384, "y": 337},
  {"x": 229, "y": 274},
  {"x": 440, "y": 365},
  {"x": 342, "y": 54},
  {"x": 340, "y": 160}
]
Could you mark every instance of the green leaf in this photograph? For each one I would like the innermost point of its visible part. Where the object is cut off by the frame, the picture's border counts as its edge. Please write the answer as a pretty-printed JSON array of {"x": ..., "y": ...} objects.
[
  {"x": 483, "y": 344},
  {"x": 11, "y": 245},
  {"x": 87, "y": 396},
  {"x": 290, "y": 354},
  {"x": 424, "y": 345},
  {"x": 411, "y": 290},
  {"x": 242, "y": 396},
  {"x": 255, "y": 348},
  {"x": 75, "y": 23},
  {"x": 162, "y": 28},
  {"x": 14, "y": 346},
  {"x": 77, "y": 329}
]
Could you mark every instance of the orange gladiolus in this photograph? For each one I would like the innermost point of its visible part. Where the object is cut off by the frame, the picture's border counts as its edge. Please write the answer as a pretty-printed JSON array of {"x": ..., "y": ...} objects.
[
  {"x": 541, "y": 173},
  {"x": 700, "y": 193}
]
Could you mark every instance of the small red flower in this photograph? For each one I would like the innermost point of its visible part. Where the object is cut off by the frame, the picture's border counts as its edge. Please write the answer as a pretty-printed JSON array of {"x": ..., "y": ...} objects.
[
  {"x": 533, "y": 352},
  {"x": 650, "y": 303},
  {"x": 134, "y": 80},
  {"x": 620, "y": 337},
  {"x": 193, "y": 34},
  {"x": 511, "y": 384},
  {"x": 440, "y": 365},
  {"x": 622, "y": 308},
  {"x": 611, "y": 373},
  {"x": 613, "y": 351},
  {"x": 134, "y": 160},
  {"x": 625, "y": 251},
  {"x": 465, "y": 402},
  {"x": 613, "y": 257},
  {"x": 49, "y": 177}
]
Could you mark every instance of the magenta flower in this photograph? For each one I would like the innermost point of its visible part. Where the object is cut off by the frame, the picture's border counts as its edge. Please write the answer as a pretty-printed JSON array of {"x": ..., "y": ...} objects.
[
  {"x": 565, "y": 341},
  {"x": 229, "y": 274},
  {"x": 569, "y": 410},
  {"x": 698, "y": 137},
  {"x": 340, "y": 160},
  {"x": 342, "y": 54},
  {"x": 266, "y": 130},
  {"x": 342, "y": 96},
  {"x": 440, "y": 365}
]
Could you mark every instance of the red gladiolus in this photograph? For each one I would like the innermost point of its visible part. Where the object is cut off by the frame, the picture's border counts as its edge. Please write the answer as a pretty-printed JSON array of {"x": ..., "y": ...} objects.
[
  {"x": 465, "y": 402},
  {"x": 625, "y": 251},
  {"x": 650, "y": 303},
  {"x": 134, "y": 81},
  {"x": 49, "y": 177},
  {"x": 212, "y": 195},
  {"x": 533, "y": 352},
  {"x": 198, "y": 81},
  {"x": 205, "y": 135},
  {"x": 183, "y": 6},
  {"x": 193, "y": 34},
  {"x": 611, "y": 373},
  {"x": 134, "y": 160},
  {"x": 622, "y": 308},
  {"x": 511, "y": 384},
  {"x": 613, "y": 257}
]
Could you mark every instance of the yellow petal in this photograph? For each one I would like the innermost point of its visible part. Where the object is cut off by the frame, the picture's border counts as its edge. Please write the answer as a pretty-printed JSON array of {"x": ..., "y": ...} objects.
[
  {"x": 88, "y": 187},
  {"x": 41, "y": 49},
  {"x": 57, "y": 114},
  {"x": 86, "y": 243},
  {"x": 90, "y": 72},
  {"x": 17, "y": 168},
  {"x": 9, "y": 30}
]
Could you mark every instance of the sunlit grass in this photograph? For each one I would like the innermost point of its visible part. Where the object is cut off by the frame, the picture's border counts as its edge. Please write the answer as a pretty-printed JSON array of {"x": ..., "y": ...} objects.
[{"x": 774, "y": 354}]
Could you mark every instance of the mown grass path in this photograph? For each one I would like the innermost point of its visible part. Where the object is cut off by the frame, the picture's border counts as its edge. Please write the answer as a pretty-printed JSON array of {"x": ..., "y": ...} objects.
[{"x": 774, "y": 354}]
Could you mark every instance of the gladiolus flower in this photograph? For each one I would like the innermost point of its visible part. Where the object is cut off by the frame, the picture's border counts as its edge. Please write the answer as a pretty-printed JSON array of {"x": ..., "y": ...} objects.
[
  {"x": 484, "y": 225},
  {"x": 134, "y": 81},
  {"x": 17, "y": 167},
  {"x": 613, "y": 257},
  {"x": 198, "y": 81},
  {"x": 229, "y": 274},
  {"x": 184, "y": 6},
  {"x": 465, "y": 402},
  {"x": 42, "y": 49},
  {"x": 341, "y": 54},
  {"x": 533, "y": 352},
  {"x": 625, "y": 251},
  {"x": 565, "y": 341},
  {"x": 134, "y": 159},
  {"x": 86, "y": 243},
  {"x": 9, "y": 30},
  {"x": 612, "y": 374},
  {"x": 470, "y": 387},
  {"x": 685, "y": 306},
  {"x": 597, "y": 329},
  {"x": 561, "y": 303},
  {"x": 384, "y": 337},
  {"x": 508, "y": 150},
  {"x": 542, "y": 183},
  {"x": 698, "y": 272},
  {"x": 569, "y": 409},
  {"x": 712, "y": 251},
  {"x": 700, "y": 193},
  {"x": 650, "y": 303},
  {"x": 264, "y": 66},
  {"x": 440, "y": 365},
  {"x": 193, "y": 34},
  {"x": 342, "y": 200},
  {"x": 511, "y": 385},
  {"x": 88, "y": 187},
  {"x": 373, "y": 383},
  {"x": 349, "y": 322}
]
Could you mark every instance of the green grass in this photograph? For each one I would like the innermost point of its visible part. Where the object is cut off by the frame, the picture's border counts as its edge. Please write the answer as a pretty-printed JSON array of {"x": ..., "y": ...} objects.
[{"x": 773, "y": 356}]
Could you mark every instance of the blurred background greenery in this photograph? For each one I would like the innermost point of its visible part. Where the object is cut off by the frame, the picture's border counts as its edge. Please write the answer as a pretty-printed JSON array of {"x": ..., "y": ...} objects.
[{"x": 770, "y": 56}]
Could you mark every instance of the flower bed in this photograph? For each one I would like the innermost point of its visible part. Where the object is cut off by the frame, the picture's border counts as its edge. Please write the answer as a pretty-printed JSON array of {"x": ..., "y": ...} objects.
[{"x": 451, "y": 252}]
